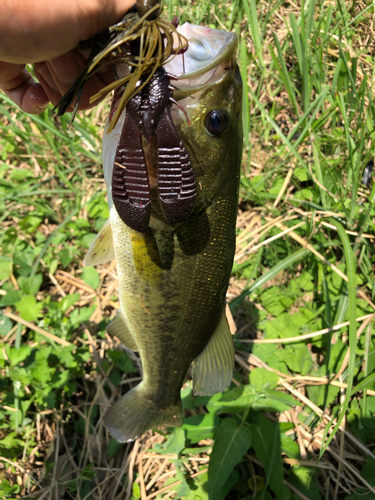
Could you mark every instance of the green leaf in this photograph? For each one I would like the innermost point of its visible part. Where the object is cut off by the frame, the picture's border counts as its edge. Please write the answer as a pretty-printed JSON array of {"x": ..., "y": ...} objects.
[
  {"x": 302, "y": 478},
  {"x": 197, "y": 487},
  {"x": 20, "y": 174},
  {"x": 65, "y": 257},
  {"x": 68, "y": 301},
  {"x": 5, "y": 267},
  {"x": 242, "y": 397},
  {"x": 40, "y": 369},
  {"x": 80, "y": 315},
  {"x": 11, "y": 297},
  {"x": 87, "y": 239},
  {"x": 17, "y": 355},
  {"x": 136, "y": 490},
  {"x": 285, "y": 325},
  {"x": 260, "y": 378},
  {"x": 29, "y": 308},
  {"x": 175, "y": 443},
  {"x": 267, "y": 447},
  {"x": 322, "y": 395},
  {"x": 300, "y": 174},
  {"x": 267, "y": 353},
  {"x": 120, "y": 359},
  {"x": 53, "y": 266},
  {"x": 30, "y": 223},
  {"x": 231, "y": 443},
  {"x": 187, "y": 397},
  {"x": 288, "y": 446},
  {"x": 274, "y": 301},
  {"x": 66, "y": 357},
  {"x": 200, "y": 427},
  {"x": 297, "y": 357},
  {"x": 91, "y": 277},
  {"x": 5, "y": 325},
  {"x": 274, "y": 271},
  {"x": 30, "y": 285},
  {"x": 6, "y": 489},
  {"x": 60, "y": 378},
  {"x": 98, "y": 208},
  {"x": 233, "y": 479}
]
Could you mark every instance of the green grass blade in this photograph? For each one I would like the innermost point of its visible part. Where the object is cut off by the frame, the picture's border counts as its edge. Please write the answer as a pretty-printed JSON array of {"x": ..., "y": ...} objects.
[
  {"x": 252, "y": 17},
  {"x": 351, "y": 273},
  {"x": 245, "y": 94},
  {"x": 285, "y": 140},
  {"x": 280, "y": 64}
]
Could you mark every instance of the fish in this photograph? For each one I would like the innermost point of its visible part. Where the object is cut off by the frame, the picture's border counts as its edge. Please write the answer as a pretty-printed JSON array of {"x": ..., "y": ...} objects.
[{"x": 173, "y": 277}]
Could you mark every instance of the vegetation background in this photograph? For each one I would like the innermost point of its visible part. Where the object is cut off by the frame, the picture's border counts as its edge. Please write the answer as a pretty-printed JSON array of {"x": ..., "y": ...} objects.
[{"x": 298, "y": 419}]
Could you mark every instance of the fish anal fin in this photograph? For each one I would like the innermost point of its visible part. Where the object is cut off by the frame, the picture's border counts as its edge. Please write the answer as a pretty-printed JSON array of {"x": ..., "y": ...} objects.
[
  {"x": 135, "y": 413},
  {"x": 213, "y": 367},
  {"x": 118, "y": 328},
  {"x": 101, "y": 249}
]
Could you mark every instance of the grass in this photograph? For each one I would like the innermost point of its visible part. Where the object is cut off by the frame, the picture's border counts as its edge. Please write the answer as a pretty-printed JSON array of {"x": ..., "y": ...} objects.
[{"x": 298, "y": 420}]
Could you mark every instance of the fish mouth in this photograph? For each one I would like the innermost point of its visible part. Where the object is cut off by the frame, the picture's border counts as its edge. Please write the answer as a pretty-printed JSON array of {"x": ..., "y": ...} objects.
[{"x": 210, "y": 54}]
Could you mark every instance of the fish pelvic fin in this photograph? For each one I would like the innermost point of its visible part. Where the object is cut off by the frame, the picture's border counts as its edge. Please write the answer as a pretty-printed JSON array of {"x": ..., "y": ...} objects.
[
  {"x": 213, "y": 368},
  {"x": 134, "y": 414},
  {"x": 101, "y": 249},
  {"x": 117, "y": 328}
]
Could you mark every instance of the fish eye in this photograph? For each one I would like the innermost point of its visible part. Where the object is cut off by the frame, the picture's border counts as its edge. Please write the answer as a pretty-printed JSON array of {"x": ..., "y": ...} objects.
[{"x": 216, "y": 122}]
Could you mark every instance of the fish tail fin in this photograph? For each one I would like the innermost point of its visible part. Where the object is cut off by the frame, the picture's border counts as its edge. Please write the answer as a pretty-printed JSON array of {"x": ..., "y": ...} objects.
[{"x": 135, "y": 413}]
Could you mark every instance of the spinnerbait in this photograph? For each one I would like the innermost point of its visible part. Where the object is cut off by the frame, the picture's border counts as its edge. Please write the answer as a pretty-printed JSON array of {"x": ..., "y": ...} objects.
[{"x": 138, "y": 41}]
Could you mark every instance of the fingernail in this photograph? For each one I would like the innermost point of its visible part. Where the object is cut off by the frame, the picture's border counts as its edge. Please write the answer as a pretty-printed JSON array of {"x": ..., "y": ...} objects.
[
  {"x": 47, "y": 77},
  {"x": 43, "y": 108},
  {"x": 67, "y": 67}
]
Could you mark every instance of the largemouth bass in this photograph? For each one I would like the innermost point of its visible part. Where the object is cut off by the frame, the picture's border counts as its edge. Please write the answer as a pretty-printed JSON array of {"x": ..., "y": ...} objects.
[{"x": 173, "y": 279}]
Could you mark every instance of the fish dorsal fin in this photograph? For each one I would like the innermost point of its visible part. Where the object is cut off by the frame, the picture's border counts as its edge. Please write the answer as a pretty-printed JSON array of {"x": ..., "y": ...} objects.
[
  {"x": 213, "y": 368},
  {"x": 118, "y": 328},
  {"x": 101, "y": 249}
]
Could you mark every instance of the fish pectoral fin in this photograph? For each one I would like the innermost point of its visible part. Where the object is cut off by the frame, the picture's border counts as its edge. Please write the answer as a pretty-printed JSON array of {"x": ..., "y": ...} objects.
[
  {"x": 118, "y": 328},
  {"x": 213, "y": 368},
  {"x": 101, "y": 249}
]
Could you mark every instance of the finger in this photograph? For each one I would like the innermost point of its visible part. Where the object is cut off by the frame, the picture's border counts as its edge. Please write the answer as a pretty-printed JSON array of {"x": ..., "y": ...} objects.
[
  {"x": 96, "y": 83},
  {"x": 26, "y": 93},
  {"x": 9, "y": 71},
  {"x": 64, "y": 70},
  {"x": 43, "y": 74}
]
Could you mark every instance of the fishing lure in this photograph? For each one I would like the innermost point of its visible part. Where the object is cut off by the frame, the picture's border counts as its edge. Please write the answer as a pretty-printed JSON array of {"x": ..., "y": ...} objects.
[
  {"x": 144, "y": 41},
  {"x": 148, "y": 115}
]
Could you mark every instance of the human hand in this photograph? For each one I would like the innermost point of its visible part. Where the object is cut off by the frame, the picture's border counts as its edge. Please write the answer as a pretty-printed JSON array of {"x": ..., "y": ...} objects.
[{"x": 46, "y": 35}]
